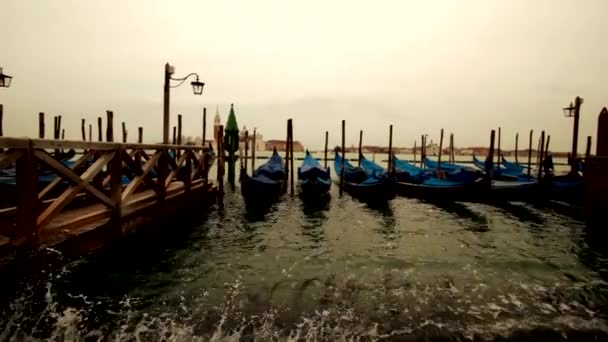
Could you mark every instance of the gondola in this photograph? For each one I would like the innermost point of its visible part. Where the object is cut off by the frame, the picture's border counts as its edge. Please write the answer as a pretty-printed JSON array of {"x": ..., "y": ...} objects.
[
  {"x": 428, "y": 184},
  {"x": 510, "y": 172},
  {"x": 314, "y": 181},
  {"x": 367, "y": 185},
  {"x": 266, "y": 182}
]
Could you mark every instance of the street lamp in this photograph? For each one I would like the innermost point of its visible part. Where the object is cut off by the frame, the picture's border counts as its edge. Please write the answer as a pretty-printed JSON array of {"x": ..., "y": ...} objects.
[
  {"x": 573, "y": 110},
  {"x": 197, "y": 89},
  {"x": 5, "y": 80}
]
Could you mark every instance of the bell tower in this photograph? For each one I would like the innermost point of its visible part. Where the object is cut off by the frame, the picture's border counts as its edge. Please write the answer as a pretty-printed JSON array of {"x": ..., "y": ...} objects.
[{"x": 216, "y": 124}]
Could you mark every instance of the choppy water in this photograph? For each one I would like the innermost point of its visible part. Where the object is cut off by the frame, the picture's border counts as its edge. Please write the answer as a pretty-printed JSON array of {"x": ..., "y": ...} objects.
[{"x": 340, "y": 270}]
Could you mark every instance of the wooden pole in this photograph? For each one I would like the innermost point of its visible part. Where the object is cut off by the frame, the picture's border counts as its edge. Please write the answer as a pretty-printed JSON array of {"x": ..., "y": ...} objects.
[
  {"x": 286, "y": 180},
  {"x": 451, "y": 158},
  {"x": 516, "y": 147},
  {"x": 140, "y": 135},
  {"x": 547, "y": 147},
  {"x": 58, "y": 126},
  {"x": 343, "y": 157},
  {"x": 414, "y": 151},
  {"x": 360, "y": 143},
  {"x": 110, "y": 127},
  {"x": 124, "y": 132},
  {"x": 55, "y": 134},
  {"x": 577, "y": 109},
  {"x": 540, "y": 159},
  {"x": 204, "y": 124},
  {"x": 440, "y": 151},
  {"x": 99, "y": 125},
  {"x": 490, "y": 158},
  {"x": 174, "y": 135},
  {"x": 422, "y": 150},
  {"x": 26, "y": 195},
  {"x": 498, "y": 155},
  {"x": 244, "y": 163},
  {"x": 530, "y": 154},
  {"x": 41, "y": 125},
  {"x": 90, "y": 132},
  {"x": 588, "y": 148},
  {"x": 83, "y": 130},
  {"x": 220, "y": 164},
  {"x": 179, "y": 129},
  {"x": 291, "y": 155},
  {"x": 390, "y": 149},
  {"x": 253, "y": 151},
  {"x": 1, "y": 115},
  {"x": 63, "y": 134},
  {"x": 325, "y": 155}
]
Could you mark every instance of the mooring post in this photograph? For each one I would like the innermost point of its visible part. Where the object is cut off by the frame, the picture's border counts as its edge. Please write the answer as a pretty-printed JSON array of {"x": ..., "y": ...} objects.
[
  {"x": 1, "y": 115},
  {"x": 422, "y": 150},
  {"x": 451, "y": 158},
  {"x": 601, "y": 145},
  {"x": 325, "y": 154},
  {"x": 547, "y": 147},
  {"x": 55, "y": 132},
  {"x": 63, "y": 134},
  {"x": 414, "y": 152},
  {"x": 58, "y": 126},
  {"x": 530, "y": 154},
  {"x": 440, "y": 151},
  {"x": 244, "y": 163},
  {"x": 498, "y": 155},
  {"x": 360, "y": 143},
  {"x": 140, "y": 135},
  {"x": 124, "y": 132},
  {"x": 90, "y": 132},
  {"x": 286, "y": 178},
  {"x": 343, "y": 157},
  {"x": 220, "y": 165},
  {"x": 540, "y": 160},
  {"x": 41, "y": 125},
  {"x": 174, "y": 141},
  {"x": 99, "y": 129},
  {"x": 116, "y": 190},
  {"x": 578, "y": 101},
  {"x": 179, "y": 129},
  {"x": 490, "y": 159},
  {"x": 538, "y": 152},
  {"x": 27, "y": 197},
  {"x": 253, "y": 151},
  {"x": 390, "y": 150},
  {"x": 291, "y": 156},
  {"x": 110, "y": 127},
  {"x": 83, "y": 130},
  {"x": 204, "y": 125},
  {"x": 588, "y": 148},
  {"x": 179, "y": 134},
  {"x": 516, "y": 147}
]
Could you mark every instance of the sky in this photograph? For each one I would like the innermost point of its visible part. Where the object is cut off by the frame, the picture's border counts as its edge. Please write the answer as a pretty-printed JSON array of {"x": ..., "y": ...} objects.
[{"x": 467, "y": 66}]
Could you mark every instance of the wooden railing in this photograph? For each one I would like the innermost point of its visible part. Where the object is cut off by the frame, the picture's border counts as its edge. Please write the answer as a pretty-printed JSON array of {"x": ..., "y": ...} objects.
[{"x": 110, "y": 174}]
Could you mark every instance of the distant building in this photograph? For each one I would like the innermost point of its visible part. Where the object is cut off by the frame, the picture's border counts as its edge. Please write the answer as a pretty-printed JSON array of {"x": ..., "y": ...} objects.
[
  {"x": 216, "y": 126},
  {"x": 280, "y": 145},
  {"x": 259, "y": 140}
]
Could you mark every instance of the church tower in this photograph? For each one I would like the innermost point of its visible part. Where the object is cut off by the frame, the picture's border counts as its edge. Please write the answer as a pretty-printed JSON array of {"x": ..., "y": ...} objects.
[{"x": 216, "y": 124}]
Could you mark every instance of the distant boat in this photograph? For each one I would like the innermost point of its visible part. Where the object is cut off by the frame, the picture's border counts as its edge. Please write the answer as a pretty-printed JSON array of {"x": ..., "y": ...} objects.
[
  {"x": 370, "y": 184},
  {"x": 314, "y": 181},
  {"x": 266, "y": 182}
]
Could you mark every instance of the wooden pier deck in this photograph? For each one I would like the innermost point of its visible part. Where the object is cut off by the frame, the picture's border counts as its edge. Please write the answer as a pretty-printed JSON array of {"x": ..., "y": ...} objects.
[{"x": 109, "y": 190}]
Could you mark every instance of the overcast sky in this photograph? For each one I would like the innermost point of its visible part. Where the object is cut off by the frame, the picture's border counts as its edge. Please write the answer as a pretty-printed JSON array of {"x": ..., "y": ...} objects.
[{"x": 466, "y": 66}]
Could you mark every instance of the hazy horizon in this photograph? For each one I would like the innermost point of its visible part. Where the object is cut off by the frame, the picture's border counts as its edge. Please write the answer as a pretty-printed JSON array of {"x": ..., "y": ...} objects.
[{"x": 467, "y": 67}]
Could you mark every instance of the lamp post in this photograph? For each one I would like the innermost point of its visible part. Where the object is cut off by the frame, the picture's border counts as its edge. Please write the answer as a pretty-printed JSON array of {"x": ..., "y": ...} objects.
[
  {"x": 197, "y": 88},
  {"x": 5, "y": 80},
  {"x": 574, "y": 111}
]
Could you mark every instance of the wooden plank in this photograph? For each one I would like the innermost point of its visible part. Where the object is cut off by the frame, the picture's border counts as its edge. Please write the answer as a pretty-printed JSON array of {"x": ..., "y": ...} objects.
[
  {"x": 8, "y": 142},
  {"x": 27, "y": 201},
  {"x": 130, "y": 189},
  {"x": 57, "y": 180},
  {"x": 65, "y": 198},
  {"x": 69, "y": 175},
  {"x": 175, "y": 167}
]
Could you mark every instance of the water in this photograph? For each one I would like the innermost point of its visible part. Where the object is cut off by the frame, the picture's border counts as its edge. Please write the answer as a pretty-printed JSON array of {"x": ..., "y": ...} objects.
[{"x": 337, "y": 270}]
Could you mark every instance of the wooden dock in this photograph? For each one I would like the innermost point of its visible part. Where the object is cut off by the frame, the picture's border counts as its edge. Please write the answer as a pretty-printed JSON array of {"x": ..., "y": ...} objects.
[{"x": 107, "y": 190}]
